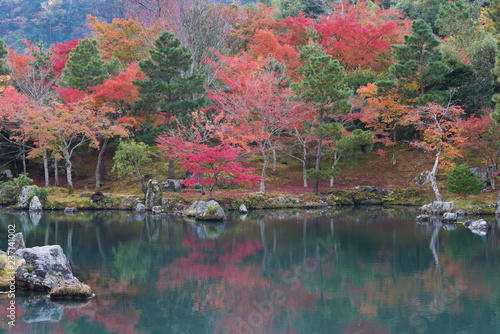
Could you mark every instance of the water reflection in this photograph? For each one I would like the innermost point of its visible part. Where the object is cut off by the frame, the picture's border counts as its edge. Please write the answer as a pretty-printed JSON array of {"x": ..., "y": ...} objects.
[{"x": 351, "y": 271}]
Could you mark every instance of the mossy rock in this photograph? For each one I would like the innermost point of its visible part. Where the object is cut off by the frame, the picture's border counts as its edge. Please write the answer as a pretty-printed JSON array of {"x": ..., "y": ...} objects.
[{"x": 71, "y": 291}]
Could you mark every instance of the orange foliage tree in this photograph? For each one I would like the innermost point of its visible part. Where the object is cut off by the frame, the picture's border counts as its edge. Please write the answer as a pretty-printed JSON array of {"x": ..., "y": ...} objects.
[
  {"x": 439, "y": 126},
  {"x": 258, "y": 106}
]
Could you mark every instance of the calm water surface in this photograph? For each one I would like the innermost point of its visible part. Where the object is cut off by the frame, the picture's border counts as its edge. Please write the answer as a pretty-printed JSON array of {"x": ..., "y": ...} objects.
[{"x": 349, "y": 271}]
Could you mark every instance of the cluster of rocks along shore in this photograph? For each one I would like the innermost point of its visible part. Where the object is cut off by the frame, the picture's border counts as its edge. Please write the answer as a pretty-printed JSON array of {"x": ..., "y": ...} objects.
[{"x": 447, "y": 213}]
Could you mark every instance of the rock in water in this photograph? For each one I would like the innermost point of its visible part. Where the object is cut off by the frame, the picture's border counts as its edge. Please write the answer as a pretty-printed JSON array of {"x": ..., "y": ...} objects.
[
  {"x": 480, "y": 224},
  {"x": 35, "y": 204},
  {"x": 22, "y": 202},
  {"x": 47, "y": 269},
  {"x": 153, "y": 194},
  {"x": 202, "y": 210},
  {"x": 449, "y": 216},
  {"x": 140, "y": 208},
  {"x": 243, "y": 208}
]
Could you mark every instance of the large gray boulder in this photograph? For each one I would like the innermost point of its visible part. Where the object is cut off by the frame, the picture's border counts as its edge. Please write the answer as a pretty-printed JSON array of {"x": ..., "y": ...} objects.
[
  {"x": 497, "y": 213},
  {"x": 153, "y": 194},
  {"x": 172, "y": 185},
  {"x": 202, "y": 210},
  {"x": 47, "y": 269},
  {"x": 438, "y": 208},
  {"x": 22, "y": 202},
  {"x": 35, "y": 204}
]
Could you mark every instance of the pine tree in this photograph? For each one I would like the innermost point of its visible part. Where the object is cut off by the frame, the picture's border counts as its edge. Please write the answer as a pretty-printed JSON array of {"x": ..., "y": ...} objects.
[
  {"x": 420, "y": 61},
  {"x": 494, "y": 15},
  {"x": 323, "y": 85},
  {"x": 85, "y": 66},
  {"x": 462, "y": 181},
  {"x": 168, "y": 88}
]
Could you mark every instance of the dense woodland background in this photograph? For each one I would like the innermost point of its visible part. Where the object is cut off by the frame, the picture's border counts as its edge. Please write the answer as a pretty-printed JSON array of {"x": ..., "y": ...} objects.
[{"x": 322, "y": 83}]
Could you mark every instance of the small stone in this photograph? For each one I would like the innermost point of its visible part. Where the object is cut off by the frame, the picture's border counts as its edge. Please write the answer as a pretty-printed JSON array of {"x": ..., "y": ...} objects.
[
  {"x": 449, "y": 216},
  {"x": 140, "y": 208},
  {"x": 243, "y": 208},
  {"x": 70, "y": 211}
]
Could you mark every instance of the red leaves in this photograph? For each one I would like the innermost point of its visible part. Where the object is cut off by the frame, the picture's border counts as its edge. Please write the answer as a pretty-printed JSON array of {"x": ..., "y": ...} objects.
[{"x": 210, "y": 164}]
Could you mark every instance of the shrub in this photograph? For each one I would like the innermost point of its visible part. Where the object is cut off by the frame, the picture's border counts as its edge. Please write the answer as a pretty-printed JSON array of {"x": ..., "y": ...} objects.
[{"x": 462, "y": 181}]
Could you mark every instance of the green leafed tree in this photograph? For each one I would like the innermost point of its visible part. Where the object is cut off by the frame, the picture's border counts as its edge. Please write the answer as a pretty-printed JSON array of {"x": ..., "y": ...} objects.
[
  {"x": 324, "y": 86},
  {"x": 420, "y": 61},
  {"x": 462, "y": 181},
  {"x": 494, "y": 15},
  {"x": 3, "y": 59},
  {"x": 129, "y": 157},
  {"x": 169, "y": 88},
  {"x": 85, "y": 66}
]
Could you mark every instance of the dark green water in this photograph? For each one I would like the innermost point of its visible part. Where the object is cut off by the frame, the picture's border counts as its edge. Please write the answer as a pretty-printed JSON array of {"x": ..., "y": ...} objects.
[{"x": 350, "y": 271}]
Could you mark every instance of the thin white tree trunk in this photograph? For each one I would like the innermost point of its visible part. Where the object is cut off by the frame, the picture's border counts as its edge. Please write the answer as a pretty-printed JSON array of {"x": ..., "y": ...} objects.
[
  {"x": 46, "y": 168},
  {"x": 264, "y": 168},
  {"x": 68, "y": 174},
  {"x": 439, "y": 198}
]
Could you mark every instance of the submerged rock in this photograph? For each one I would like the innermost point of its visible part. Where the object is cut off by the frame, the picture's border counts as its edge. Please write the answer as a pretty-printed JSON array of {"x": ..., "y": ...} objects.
[{"x": 40, "y": 309}]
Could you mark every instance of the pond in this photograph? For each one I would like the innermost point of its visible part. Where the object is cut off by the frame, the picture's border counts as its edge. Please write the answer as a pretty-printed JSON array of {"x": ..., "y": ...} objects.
[{"x": 335, "y": 271}]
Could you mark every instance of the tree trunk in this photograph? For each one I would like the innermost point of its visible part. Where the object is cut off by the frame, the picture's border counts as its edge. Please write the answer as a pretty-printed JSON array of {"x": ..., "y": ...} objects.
[
  {"x": 46, "y": 168},
  {"x": 304, "y": 173},
  {"x": 274, "y": 160},
  {"x": 211, "y": 191},
  {"x": 23, "y": 157},
  {"x": 490, "y": 176},
  {"x": 104, "y": 144},
  {"x": 263, "y": 175},
  {"x": 394, "y": 146},
  {"x": 171, "y": 170},
  {"x": 141, "y": 180},
  {"x": 68, "y": 175},
  {"x": 56, "y": 173},
  {"x": 335, "y": 161},
  {"x": 439, "y": 198},
  {"x": 318, "y": 157}
]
